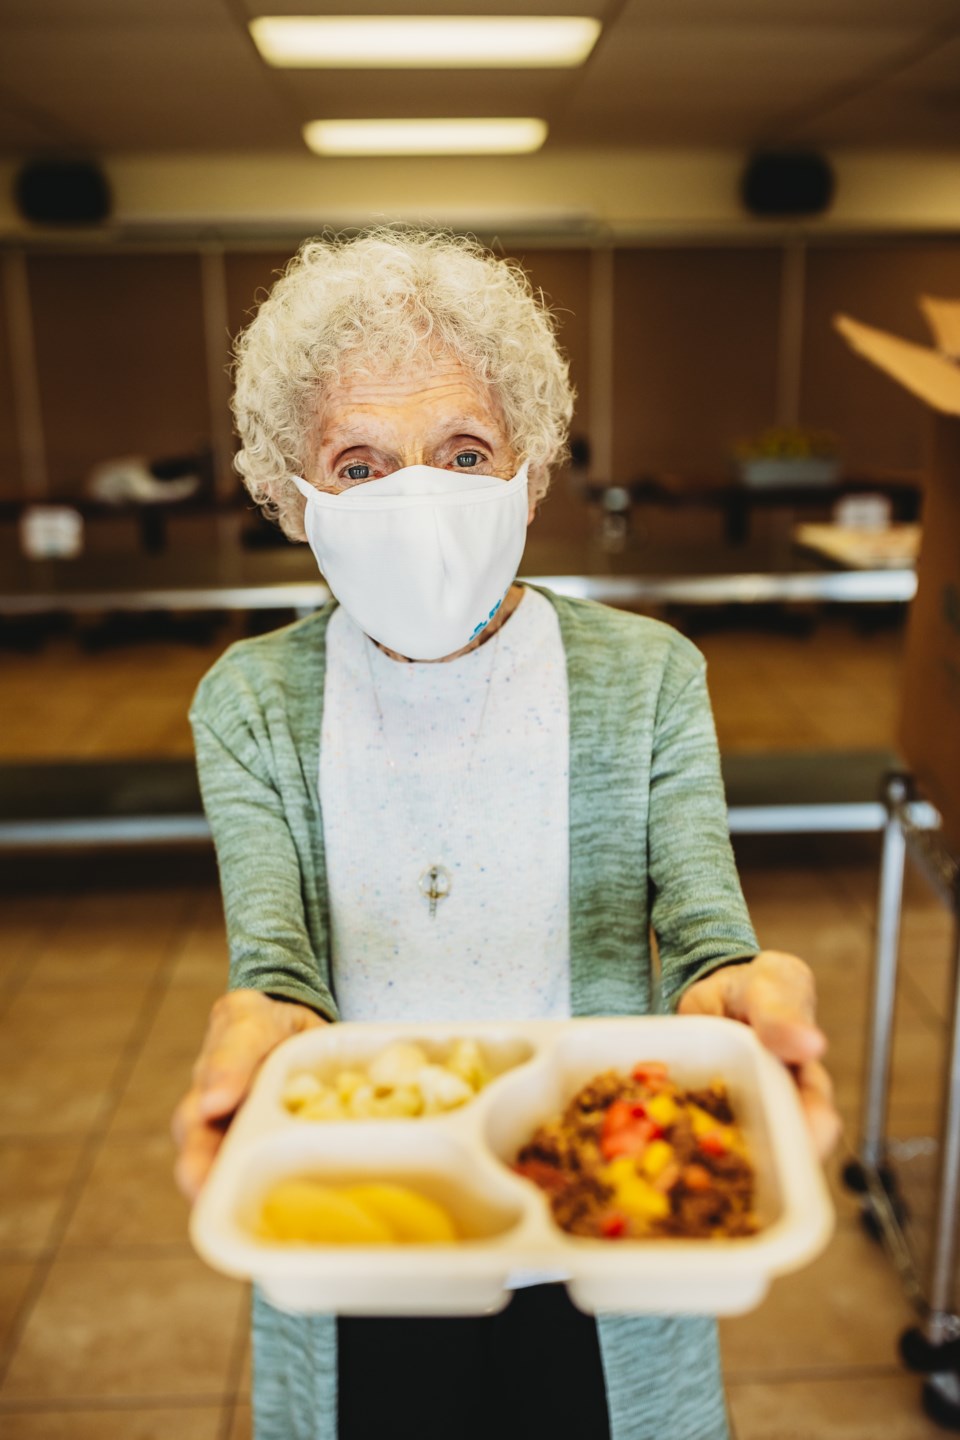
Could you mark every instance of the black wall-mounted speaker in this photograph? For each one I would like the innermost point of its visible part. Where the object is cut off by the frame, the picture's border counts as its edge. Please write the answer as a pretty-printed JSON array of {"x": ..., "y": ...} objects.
[
  {"x": 62, "y": 192},
  {"x": 788, "y": 183}
]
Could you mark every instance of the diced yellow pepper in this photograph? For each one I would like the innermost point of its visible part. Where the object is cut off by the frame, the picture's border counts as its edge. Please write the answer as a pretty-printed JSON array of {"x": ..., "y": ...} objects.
[
  {"x": 642, "y": 1200},
  {"x": 702, "y": 1121},
  {"x": 656, "y": 1158},
  {"x": 705, "y": 1124},
  {"x": 633, "y": 1194},
  {"x": 662, "y": 1110},
  {"x": 620, "y": 1171}
]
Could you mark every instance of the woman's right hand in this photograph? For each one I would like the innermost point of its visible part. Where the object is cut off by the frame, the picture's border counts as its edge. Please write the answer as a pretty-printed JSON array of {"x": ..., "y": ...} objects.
[{"x": 243, "y": 1028}]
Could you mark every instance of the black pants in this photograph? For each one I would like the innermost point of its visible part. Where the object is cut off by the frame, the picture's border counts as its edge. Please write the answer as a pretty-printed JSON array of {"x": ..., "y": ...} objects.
[{"x": 533, "y": 1370}]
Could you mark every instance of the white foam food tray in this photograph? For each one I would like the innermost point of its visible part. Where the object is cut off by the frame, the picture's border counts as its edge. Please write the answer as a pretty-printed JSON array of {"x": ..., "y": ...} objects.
[{"x": 463, "y": 1160}]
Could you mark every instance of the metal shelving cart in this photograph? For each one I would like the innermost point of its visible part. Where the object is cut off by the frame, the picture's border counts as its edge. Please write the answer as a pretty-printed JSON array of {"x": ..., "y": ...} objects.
[{"x": 932, "y": 1347}]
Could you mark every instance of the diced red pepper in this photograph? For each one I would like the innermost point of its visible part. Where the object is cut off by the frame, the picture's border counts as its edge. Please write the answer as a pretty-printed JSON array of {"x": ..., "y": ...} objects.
[
  {"x": 713, "y": 1143},
  {"x": 631, "y": 1140},
  {"x": 650, "y": 1071},
  {"x": 624, "y": 1142},
  {"x": 612, "y": 1226},
  {"x": 639, "y": 1112},
  {"x": 618, "y": 1116}
]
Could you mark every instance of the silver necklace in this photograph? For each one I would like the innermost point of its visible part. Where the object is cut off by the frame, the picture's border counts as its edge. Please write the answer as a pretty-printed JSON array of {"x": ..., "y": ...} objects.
[{"x": 434, "y": 881}]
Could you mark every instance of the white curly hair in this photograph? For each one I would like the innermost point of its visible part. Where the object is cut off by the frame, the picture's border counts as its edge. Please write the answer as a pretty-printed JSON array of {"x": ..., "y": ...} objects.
[{"x": 343, "y": 302}]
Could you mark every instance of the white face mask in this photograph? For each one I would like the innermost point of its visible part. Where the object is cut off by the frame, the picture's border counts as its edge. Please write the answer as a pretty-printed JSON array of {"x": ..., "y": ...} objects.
[{"x": 420, "y": 559}]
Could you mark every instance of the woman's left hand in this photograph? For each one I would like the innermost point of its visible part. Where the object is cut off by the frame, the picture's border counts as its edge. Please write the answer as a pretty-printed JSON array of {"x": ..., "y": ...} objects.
[{"x": 776, "y": 995}]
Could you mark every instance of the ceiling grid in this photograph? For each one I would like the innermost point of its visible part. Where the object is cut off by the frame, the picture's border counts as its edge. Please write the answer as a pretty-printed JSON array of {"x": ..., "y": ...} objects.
[{"x": 169, "y": 76}]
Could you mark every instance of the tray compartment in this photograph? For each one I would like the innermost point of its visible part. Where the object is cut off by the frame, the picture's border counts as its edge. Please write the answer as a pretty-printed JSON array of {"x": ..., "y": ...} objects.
[
  {"x": 480, "y": 1203},
  {"x": 677, "y": 1276},
  {"x": 725, "y": 1051},
  {"x": 323, "y": 1053},
  {"x": 486, "y": 1206}
]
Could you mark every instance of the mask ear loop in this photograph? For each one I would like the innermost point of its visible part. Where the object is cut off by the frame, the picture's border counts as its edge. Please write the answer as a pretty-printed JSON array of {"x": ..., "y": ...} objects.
[{"x": 304, "y": 486}]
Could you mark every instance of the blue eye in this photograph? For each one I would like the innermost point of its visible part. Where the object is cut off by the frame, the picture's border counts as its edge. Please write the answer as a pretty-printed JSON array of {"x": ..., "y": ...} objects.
[
  {"x": 358, "y": 472},
  {"x": 467, "y": 459}
]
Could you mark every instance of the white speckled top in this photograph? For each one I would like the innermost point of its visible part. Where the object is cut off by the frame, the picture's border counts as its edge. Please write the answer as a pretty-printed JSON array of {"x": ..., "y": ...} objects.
[{"x": 469, "y": 770}]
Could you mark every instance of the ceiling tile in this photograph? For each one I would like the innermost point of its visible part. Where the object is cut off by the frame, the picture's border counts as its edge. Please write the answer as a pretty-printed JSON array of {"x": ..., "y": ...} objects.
[
  {"x": 918, "y": 104},
  {"x": 742, "y": 74},
  {"x": 425, "y": 7},
  {"x": 663, "y": 124},
  {"x": 129, "y": 88},
  {"x": 392, "y": 94},
  {"x": 77, "y": 14},
  {"x": 887, "y": 118},
  {"x": 729, "y": 57},
  {"x": 865, "y": 14},
  {"x": 23, "y": 129},
  {"x": 935, "y": 72}
]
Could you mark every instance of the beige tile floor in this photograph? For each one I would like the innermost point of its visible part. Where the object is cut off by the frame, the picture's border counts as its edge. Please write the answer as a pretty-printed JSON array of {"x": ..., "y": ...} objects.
[
  {"x": 110, "y": 1329},
  {"x": 801, "y": 692}
]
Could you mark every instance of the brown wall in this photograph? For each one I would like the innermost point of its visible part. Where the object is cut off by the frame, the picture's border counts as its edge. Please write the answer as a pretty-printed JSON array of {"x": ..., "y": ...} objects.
[
  {"x": 11, "y": 479},
  {"x": 120, "y": 358},
  {"x": 564, "y": 278},
  {"x": 880, "y": 425},
  {"x": 248, "y": 276},
  {"x": 695, "y": 357}
]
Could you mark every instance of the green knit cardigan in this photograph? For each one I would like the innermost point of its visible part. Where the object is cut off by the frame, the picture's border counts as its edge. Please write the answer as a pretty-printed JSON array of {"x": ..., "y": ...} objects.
[{"x": 649, "y": 850}]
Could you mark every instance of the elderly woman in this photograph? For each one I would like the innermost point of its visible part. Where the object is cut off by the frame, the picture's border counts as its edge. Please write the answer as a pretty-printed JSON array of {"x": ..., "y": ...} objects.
[{"x": 450, "y": 796}]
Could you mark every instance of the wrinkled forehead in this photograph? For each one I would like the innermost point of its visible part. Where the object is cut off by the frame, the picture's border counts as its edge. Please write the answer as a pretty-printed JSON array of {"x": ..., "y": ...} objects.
[{"x": 432, "y": 391}]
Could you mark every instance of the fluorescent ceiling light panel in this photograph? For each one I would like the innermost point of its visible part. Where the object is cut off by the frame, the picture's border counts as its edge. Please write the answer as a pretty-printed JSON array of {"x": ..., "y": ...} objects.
[
  {"x": 424, "y": 42},
  {"x": 425, "y": 137}
]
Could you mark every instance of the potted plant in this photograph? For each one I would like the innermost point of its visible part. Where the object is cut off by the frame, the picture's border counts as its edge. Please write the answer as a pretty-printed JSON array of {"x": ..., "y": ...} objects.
[{"x": 788, "y": 456}]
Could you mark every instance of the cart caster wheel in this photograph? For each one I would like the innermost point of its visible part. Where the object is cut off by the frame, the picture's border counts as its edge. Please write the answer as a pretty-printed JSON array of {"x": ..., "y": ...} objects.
[
  {"x": 941, "y": 1400},
  {"x": 917, "y": 1353},
  {"x": 853, "y": 1177}
]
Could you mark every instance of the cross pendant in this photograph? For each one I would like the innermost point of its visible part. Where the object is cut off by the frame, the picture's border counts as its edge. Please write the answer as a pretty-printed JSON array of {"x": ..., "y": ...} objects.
[{"x": 434, "y": 885}]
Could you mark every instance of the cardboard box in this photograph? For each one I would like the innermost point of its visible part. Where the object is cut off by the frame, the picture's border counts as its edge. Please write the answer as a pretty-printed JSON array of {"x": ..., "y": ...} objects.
[{"x": 930, "y": 711}]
